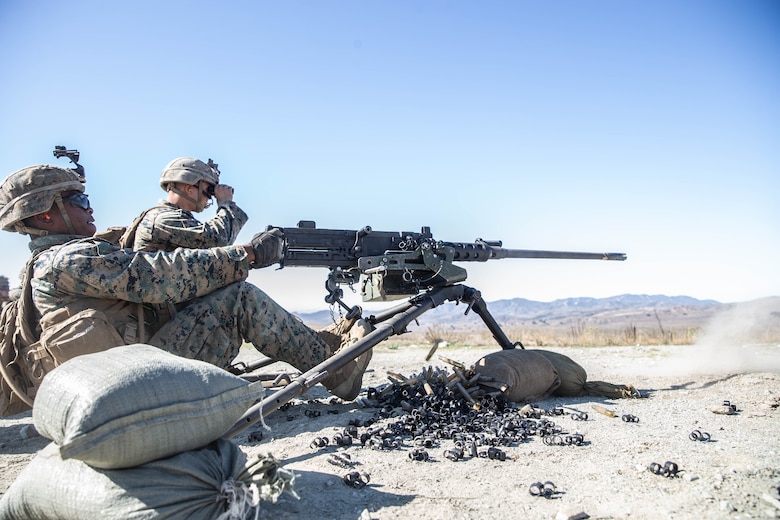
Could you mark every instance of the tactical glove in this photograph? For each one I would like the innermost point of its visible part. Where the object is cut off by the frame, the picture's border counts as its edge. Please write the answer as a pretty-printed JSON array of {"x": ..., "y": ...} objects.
[{"x": 268, "y": 247}]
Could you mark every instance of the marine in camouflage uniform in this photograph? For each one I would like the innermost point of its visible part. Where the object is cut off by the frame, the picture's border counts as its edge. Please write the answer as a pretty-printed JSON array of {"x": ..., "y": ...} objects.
[
  {"x": 217, "y": 310},
  {"x": 189, "y": 184}
]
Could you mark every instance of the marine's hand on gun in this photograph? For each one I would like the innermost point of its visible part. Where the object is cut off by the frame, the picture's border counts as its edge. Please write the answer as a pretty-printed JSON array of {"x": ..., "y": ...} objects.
[{"x": 268, "y": 247}]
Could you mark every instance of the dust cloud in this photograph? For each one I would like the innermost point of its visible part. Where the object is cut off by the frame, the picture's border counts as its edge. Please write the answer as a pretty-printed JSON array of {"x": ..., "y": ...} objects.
[{"x": 741, "y": 339}]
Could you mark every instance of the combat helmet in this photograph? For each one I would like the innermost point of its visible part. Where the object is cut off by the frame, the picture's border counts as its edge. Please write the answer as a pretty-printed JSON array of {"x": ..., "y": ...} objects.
[
  {"x": 33, "y": 190},
  {"x": 189, "y": 171}
]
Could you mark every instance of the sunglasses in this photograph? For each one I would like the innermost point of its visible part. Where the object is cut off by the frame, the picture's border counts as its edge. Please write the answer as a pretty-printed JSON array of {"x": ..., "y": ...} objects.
[
  {"x": 77, "y": 200},
  {"x": 209, "y": 191}
]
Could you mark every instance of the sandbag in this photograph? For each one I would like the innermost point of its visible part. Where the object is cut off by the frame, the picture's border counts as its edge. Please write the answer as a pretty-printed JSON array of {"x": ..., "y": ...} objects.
[
  {"x": 573, "y": 376},
  {"x": 611, "y": 390},
  {"x": 574, "y": 380},
  {"x": 199, "y": 484},
  {"x": 133, "y": 404},
  {"x": 521, "y": 375}
]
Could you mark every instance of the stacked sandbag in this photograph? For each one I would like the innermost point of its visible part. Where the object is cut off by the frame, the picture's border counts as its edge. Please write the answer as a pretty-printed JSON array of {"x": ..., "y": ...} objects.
[
  {"x": 137, "y": 433},
  {"x": 198, "y": 484}
]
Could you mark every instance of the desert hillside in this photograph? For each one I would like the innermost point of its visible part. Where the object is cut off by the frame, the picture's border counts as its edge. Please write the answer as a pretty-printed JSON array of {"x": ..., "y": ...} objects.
[{"x": 619, "y": 320}]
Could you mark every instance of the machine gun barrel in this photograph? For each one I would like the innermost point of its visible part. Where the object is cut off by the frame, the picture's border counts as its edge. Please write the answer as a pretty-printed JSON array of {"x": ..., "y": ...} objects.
[
  {"x": 483, "y": 250},
  {"x": 565, "y": 255}
]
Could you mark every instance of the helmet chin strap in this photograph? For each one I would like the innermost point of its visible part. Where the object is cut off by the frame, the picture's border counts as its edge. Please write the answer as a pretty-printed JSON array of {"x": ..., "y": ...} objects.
[
  {"x": 24, "y": 230},
  {"x": 198, "y": 204},
  {"x": 65, "y": 216}
]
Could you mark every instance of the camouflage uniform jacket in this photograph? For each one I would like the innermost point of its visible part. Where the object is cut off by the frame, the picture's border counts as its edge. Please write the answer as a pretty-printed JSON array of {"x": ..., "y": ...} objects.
[
  {"x": 166, "y": 227},
  {"x": 75, "y": 273}
]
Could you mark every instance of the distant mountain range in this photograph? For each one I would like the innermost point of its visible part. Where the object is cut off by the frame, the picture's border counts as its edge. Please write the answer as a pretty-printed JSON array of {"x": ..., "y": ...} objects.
[{"x": 638, "y": 310}]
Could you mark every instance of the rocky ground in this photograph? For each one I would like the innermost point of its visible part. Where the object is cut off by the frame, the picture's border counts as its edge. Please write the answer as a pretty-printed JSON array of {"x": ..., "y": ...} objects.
[{"x": 734, "y": 475}]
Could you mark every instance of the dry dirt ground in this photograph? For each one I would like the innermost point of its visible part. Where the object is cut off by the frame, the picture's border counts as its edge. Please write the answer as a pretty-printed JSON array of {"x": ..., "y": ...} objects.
[{"x": 734, "y": 475}]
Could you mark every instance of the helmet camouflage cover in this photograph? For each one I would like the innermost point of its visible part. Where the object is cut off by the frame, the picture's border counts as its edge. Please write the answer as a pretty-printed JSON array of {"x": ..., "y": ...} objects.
[
  {"x": 189, "y": 171},
  {"x": 33, "y": 190}
]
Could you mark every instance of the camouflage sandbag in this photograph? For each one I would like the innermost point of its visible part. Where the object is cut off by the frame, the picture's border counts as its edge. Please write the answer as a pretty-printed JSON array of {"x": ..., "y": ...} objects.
[
  {"x": 132, "y": 404},
  {"x": 574, "y": 380},
  {"x": 521, "y": 375},
  {"x": 202, "y": 484}
]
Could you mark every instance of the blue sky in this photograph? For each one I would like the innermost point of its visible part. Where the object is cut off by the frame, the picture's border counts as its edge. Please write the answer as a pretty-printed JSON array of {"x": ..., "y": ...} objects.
[{"x": 645, "y": 127}]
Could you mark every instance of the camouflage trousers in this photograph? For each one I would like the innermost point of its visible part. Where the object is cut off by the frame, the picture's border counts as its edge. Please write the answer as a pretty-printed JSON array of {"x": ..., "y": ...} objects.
[{"x": 212, "y": 329}]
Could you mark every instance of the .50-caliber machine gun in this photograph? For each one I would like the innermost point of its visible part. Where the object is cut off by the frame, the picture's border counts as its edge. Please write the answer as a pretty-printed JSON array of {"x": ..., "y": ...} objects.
[
  {"x": 389, "y": 265},
  {"x": 392, "y": 265}
]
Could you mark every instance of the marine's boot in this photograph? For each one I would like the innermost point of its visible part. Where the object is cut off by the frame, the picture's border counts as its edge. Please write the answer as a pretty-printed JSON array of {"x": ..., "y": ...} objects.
[
  {"x": 335, "y": 334},
  {"x": 347, "y": 381}
]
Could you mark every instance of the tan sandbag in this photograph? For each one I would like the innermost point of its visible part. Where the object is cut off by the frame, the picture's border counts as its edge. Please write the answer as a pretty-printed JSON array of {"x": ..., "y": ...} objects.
[
  {"x": 604, "y": 389},
  {"x": 573, "y": 376},
  {"x": 522, "y": 375},
  {"x": 574, "y": 380}
]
